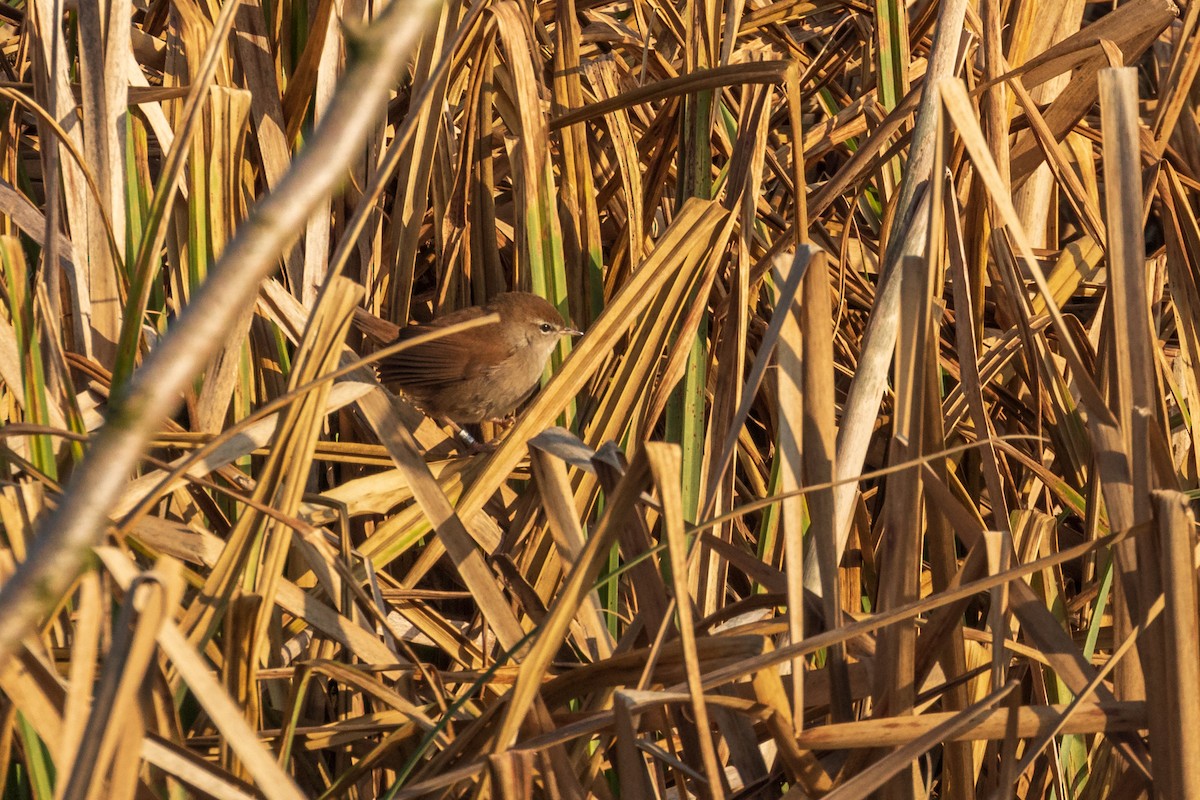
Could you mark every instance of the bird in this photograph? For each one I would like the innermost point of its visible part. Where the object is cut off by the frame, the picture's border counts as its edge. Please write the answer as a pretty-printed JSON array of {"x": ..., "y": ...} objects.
[{"x": 480, "y": 374}]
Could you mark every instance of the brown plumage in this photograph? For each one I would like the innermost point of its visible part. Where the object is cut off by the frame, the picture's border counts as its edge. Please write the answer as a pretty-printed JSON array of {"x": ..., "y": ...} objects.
[{"x": 482, "y": 373}]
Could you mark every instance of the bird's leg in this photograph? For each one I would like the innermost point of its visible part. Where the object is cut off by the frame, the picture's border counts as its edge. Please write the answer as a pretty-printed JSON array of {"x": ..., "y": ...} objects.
[{"x": 469, "y": 442}]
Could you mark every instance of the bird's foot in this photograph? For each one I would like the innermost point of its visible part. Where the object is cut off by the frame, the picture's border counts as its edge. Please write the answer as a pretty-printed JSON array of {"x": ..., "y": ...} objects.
[
  {"x": 475, "y": 447},
  {"x": 505, "y": 422}
]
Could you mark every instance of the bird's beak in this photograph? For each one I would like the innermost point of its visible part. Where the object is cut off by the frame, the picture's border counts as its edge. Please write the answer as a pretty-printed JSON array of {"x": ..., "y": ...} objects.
[{"x": 572, "y": 332}]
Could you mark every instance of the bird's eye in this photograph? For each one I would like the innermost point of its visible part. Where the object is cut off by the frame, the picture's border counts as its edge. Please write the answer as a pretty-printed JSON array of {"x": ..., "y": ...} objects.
[{"x": 546, "y": 327}]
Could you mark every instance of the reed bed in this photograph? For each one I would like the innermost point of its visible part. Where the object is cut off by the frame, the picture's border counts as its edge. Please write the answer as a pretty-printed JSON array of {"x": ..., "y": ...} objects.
[{"x": 872, "y": 475}]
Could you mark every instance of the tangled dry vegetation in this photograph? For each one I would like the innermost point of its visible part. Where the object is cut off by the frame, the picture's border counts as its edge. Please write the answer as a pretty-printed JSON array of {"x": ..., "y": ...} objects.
[{"x": 879, "y": 486}]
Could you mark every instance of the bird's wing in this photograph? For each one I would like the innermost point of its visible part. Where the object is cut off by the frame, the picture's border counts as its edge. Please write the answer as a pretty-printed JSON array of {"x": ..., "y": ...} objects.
[{"x": 453, "y": 358}]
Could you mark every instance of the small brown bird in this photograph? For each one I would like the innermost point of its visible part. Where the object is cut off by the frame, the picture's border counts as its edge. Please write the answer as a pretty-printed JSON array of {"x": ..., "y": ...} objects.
[{"x": 482, "y": 373}]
